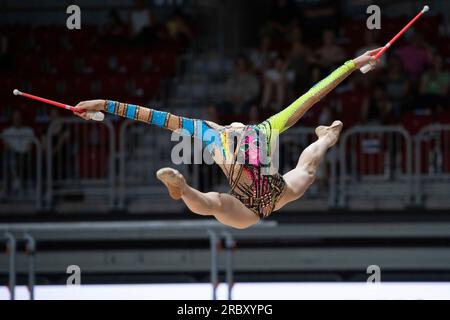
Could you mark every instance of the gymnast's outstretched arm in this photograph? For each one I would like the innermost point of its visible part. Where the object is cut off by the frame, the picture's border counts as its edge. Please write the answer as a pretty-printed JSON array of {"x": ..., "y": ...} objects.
[
  {"x": 192, "y": 127},
  {"x": 289, "y": 116}
]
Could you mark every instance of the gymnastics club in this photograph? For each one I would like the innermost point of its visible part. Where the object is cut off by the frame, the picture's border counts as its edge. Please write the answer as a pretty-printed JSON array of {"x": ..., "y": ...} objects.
[
  {"x": 366, "y": 68},
  {"x": 93, "y": 115}
]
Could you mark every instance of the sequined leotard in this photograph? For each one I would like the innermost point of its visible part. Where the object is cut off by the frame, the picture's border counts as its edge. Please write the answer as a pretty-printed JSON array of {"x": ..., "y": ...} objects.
[{"x": 248, "y": 164}]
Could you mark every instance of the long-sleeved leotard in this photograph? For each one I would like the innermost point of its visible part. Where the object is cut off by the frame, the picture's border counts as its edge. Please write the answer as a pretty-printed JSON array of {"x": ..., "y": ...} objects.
[{"x": 253, "y": 177}]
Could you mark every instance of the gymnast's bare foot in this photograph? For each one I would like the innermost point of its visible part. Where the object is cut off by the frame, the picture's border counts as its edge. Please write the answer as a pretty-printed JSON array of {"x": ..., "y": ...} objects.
[
  {"x": 174, "y": 181},
  {"x": 330, "y": 133}
]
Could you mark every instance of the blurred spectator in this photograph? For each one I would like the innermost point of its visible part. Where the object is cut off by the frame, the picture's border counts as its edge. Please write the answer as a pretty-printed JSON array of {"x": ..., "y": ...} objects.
[
  {"x": 17, "y": 139},
  {"x": 434, "y": 84},
  {"x": 329, "y": 55},
  {"x": 242, "y": 86},
  {"x": 141, "y": 21},
  {"x": 370, "y": 43},
  {"x": 416, "y": 56},
  {"x": 377, "y": 108},
  {"x": 298, "y": 64},
  {"x": 260, "y": 57},
  {"x": 276, "y": 79},
  {"x": 396, "y": 82}
]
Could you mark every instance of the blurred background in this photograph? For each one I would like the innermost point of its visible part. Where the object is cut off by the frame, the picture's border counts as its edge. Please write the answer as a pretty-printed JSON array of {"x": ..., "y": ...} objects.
[{"x": 382, "y": 196}]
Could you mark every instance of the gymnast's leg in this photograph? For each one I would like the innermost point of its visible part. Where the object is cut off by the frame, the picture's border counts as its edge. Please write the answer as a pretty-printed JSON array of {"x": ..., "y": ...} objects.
[
  {"x": 303, "y": 176},
  {"x": 224, "y": 207}
]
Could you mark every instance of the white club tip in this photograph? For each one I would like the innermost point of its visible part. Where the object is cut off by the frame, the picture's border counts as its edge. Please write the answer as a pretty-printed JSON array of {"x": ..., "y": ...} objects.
[
  {"x": 366, "y": 68},
  {"x": 425, "y": 9},
  {"x": 16, "y": 92}
]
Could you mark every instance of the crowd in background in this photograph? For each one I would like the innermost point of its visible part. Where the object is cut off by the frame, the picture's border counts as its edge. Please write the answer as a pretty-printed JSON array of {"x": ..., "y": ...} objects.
[
  {"x": 67, "y": 65},
  {"x": 124, "y": 58},
  {"x": 141, "y": 26},
  {"x": 298, "y": 45},
  {"x": 412, "y": 80}
]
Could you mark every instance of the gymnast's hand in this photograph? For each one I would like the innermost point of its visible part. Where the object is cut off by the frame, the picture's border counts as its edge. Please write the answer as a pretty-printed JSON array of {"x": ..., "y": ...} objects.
[
  {"x": 91, "y": 105},
  {"x": 366, "y": 58}
]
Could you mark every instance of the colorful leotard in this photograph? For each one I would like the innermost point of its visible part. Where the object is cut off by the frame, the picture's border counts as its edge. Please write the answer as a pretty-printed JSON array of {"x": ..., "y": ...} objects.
[{"x": 244, "y": 153}]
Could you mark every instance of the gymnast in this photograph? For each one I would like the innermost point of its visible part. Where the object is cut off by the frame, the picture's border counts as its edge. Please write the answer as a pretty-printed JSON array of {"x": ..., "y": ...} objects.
[{"x": 257, "y": 189}]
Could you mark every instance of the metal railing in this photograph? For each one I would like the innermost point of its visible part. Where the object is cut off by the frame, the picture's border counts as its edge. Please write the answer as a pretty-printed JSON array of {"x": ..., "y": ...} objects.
[
  {"x": 371, "y": 158},
  {"x": 10, "y": 251},
  {"x": 81, "y": 161},
  {"x": 292, "y": 144},
  {"x": 242, "y": 258},
  {"x": 432, "y": 166},
  {"x": 21, "y": 173},
  {"x": 209, "y": 229},
  {"x": 143, "y": 151},
  {"x": 381, "y": 166}
]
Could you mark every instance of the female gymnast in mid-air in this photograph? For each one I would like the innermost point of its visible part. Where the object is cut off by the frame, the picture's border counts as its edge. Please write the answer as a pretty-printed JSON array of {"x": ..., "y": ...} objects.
[{"x": 257, "y": 189}]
